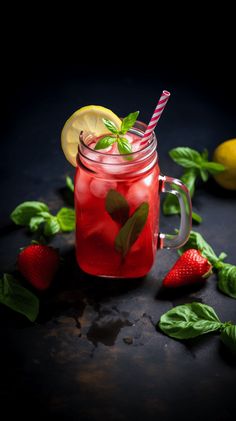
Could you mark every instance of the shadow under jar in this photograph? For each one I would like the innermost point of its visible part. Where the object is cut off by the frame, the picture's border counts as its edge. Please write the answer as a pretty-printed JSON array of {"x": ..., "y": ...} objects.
[{"x": 117, "y": 202}]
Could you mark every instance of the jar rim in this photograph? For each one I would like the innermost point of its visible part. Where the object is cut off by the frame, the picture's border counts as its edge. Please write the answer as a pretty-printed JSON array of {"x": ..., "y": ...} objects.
[{"x": 138, "y": 129}]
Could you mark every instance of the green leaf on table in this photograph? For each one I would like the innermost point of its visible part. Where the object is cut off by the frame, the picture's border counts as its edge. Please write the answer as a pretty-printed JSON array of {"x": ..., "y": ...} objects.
[
  {"x": 128, "y": 122},
  {"x": 227, "y": 279},
  {"x": 170, "y": 205},
  {"x": 189, "y": 179},
  {"x": 117, "y": 206},
  {"x": 204, "y": 174},
  {"x": 51, "y": 227},
  {"x": 196, "y": 241},
  {"x": 205, "y": 154},
  {"x": 189, "y": 320},
  {"x": 18, "y": 298},
  {"x": 228, "y": 337},
  {"x": 196, "y": 218},
  {"x": 110, "y": 126},
  {"x": 213, "y": 167},
  {"x": 130, "y": 231},
  {"x": 23, "y": 213},
  {"x": 66, "y": 219},
  {"x": 186, "y": 157},
  {"x": 69, "y": 184},
  {"x": 35, "y": 222},
  {"x": 105, "y": 142}
]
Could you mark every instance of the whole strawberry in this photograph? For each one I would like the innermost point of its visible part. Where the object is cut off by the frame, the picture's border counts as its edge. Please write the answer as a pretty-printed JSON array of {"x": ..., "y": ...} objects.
[
  {"x": 38, "y": 264},
  {"x": 189, "y": 269}
]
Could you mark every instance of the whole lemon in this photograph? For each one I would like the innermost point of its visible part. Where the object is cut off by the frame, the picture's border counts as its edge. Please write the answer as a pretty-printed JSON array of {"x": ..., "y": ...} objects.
[{"x": 225, "y": 154}]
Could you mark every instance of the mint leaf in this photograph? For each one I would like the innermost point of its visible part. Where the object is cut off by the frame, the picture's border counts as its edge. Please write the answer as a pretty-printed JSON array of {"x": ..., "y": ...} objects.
[
  {"x": 18, "y": 298},
  {"x": 23, "y": 213},
  {"x": 205, "y": 154},
  {"x": 69, "y": 184},
  {"x": 196, "y": 241},
  {"x": 213, "y": 167},
  {"x": 66, "y": 219},
  {"x": 186, "y": 157},
  {"x": 124, "y": 146},
  {"x": 197, "y": 218},
  {"x": 110, "y": 126},
  {"x": 128, "y": 122},
  {"x": 189, "y": 321},
  {"x": 117, "y": 206},
  {"x": 130, "y": 231},
  {"x": 228, "y": 337},
  {"x": 35, "y": 222},
  {"x": 51, "y": 227},
  {"x": 227, "y": 279},
  {"x": 105, "y": 142},
  {"x": 204, "y": 174},
  {"x": 170, "y": 205},
  {"x": 189, "y": 179}
]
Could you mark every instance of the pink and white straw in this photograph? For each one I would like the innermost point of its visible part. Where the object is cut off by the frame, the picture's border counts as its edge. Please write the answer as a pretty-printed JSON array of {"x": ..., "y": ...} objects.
[{"x": 156, "y": 116}]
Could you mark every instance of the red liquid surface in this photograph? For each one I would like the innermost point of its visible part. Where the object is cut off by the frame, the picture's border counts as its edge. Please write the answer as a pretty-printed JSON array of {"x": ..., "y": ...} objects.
[{"x": 96, "y": 231}]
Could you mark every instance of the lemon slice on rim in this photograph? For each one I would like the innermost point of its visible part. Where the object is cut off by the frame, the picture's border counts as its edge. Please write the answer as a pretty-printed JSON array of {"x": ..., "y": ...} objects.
[{"x": 88, "y": 119}]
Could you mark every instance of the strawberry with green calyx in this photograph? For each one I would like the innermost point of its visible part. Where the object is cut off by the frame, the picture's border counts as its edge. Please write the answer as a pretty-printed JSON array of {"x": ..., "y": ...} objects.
[
  {"x": 189, "y": 269},
  {"x": 38, "y": 264},
  {"x": 226, "y": 272}
]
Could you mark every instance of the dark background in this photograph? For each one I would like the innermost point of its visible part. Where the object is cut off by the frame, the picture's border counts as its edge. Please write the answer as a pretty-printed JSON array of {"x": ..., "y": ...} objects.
[{"x": 74, "y": 363}]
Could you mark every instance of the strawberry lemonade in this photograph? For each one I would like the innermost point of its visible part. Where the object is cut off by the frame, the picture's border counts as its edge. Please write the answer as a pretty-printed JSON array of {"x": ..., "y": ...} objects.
[{"x": 117, "y": 195}]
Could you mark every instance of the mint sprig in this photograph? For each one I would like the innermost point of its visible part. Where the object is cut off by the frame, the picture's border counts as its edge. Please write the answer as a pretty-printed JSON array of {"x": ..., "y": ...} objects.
[
  {"x": 196, "y": 167},
  {"x": 117, "y": 136},
  {"x": 35, "y": 215},
  {"x": 226, "y": 272},
  {"x": 192, "y": 320}
]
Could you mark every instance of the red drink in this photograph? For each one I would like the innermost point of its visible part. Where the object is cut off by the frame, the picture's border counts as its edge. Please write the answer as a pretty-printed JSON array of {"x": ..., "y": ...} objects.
[{"x": 134, "y": 181}]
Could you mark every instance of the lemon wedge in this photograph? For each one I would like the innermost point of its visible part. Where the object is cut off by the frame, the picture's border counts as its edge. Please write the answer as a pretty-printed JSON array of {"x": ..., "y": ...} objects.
[
  {"x": 87, "y": 119},
  {"x": 225, "y": 154}
]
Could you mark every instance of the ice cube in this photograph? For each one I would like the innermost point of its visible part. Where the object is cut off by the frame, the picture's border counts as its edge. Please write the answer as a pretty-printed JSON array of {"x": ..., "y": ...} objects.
[
  {"x": 137, "y": 194},
  {"x": 99, "y": 188},
  {"x": 82, "y": 191}
]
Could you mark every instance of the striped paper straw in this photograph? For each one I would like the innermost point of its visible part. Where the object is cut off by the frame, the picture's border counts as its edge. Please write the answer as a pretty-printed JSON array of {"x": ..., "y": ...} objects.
[{"x": 156, "y": 116}]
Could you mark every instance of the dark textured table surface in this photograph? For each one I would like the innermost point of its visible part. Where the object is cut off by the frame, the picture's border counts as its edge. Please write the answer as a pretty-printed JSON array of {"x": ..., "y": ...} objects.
[{"x": 94, "y": 351}]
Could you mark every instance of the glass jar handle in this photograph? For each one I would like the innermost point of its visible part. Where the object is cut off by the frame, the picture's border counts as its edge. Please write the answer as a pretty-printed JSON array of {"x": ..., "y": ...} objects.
[{"x": 176, "y": 187}]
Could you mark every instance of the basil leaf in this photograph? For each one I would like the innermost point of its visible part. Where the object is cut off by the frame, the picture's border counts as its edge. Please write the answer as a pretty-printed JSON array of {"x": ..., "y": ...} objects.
[
  {"x": 189, "y": 320},
  {"x": 189, "y": 179},
  {"x": 105, "y": 142},
  {"x": 186, "y": 157},
  {"x": 23, "y": 213},
  {"x": 51, "y": 227},
  {"x": 110, "y": 126},
  {"x": 205, "y": 154},
  {"x": 228, "y": 337},
  {"x": 227, "y": 279},
  {"x": 124, "y": 146},
  {"x": 170, "y": 205},
  {"x": 196, "y": 241},
  {"x": 66, "y": 219},
  {"x": 204, "y": 175},
  {"x": 128, "y": 122},
  {"x": 117, "y": 206},
  {"x": 18, "y": 298},
  {"x": 70, "y": 184},
  {"x": 130, "y": 231},
  {"x": 197, "y": 218},
  {"x": 213, "y": 167},
  {"x": 35, "y": 223}
]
